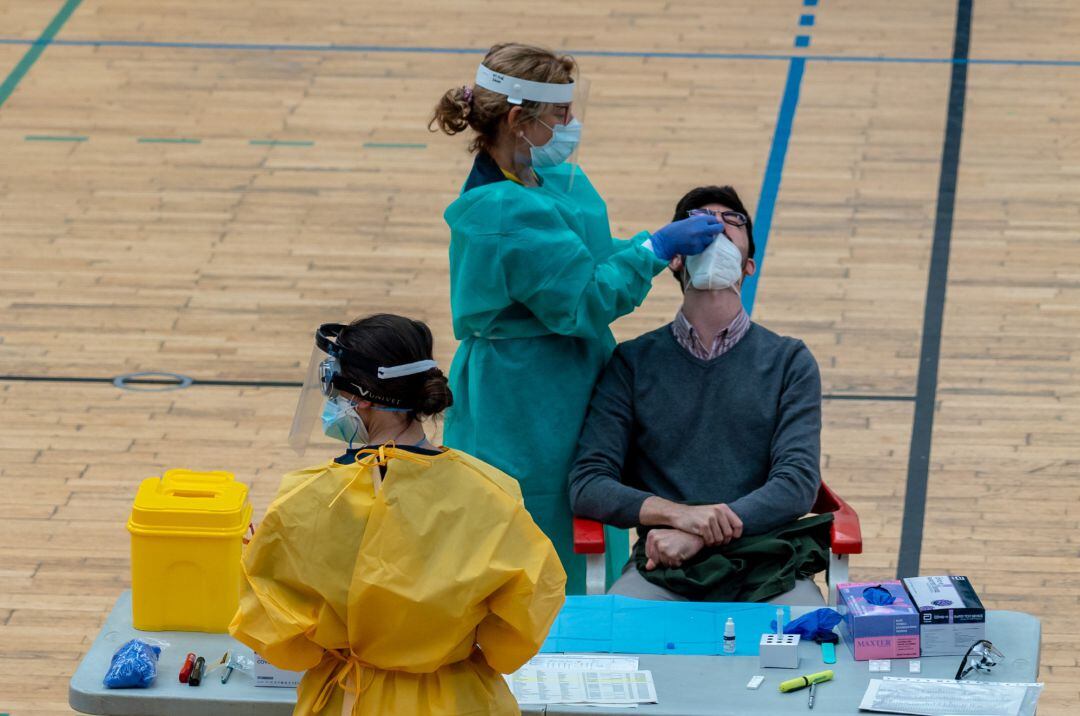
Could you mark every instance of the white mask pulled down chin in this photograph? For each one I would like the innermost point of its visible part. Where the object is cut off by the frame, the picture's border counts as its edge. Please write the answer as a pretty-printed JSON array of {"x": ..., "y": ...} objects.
[{"x": 717, "y": 267}]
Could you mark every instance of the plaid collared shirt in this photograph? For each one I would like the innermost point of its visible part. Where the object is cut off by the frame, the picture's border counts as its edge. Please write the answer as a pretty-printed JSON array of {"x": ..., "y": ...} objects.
[{"x": 724, "y": 341}]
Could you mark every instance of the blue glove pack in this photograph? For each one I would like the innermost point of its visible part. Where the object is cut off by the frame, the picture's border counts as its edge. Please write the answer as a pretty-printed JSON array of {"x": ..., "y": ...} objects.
[
  {"x": 686, "y": 237},
  {"x": 134, "y": 666},
  {"x": 878, "y": 596},
  {"x": 813, "y": 626}
]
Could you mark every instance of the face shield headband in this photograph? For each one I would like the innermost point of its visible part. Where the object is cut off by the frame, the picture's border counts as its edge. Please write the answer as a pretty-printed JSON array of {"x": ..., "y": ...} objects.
[
  {"x": 518, "y": 90},
  {"x": 332, "y": 381}
]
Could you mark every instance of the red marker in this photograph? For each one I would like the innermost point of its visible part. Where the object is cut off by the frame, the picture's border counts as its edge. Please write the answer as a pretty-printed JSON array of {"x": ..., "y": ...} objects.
[{"x": 185, "y": 670}]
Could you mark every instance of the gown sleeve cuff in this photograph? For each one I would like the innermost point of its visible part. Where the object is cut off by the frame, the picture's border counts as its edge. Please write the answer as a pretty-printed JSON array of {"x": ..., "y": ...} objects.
[{"x": 644, "y": 241}]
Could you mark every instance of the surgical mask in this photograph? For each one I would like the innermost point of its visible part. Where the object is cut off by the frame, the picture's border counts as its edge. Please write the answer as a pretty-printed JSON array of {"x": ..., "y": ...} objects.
[
  {"x": 717, "y": 267},
  {"x": 564, "y": 140},
  {"x": 341, "y": 422}
]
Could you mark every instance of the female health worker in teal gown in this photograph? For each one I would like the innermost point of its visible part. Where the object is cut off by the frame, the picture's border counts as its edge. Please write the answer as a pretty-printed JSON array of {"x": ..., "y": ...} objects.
[{"x": 536, "y": 279}]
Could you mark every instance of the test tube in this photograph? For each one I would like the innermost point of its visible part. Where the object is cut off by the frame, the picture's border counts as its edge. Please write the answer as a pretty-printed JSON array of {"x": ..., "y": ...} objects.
[{"x": 780, "y": 621}]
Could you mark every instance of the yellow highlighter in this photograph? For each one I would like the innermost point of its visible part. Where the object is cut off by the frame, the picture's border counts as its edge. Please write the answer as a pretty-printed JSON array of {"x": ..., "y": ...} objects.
[{"x": 803, "y": 681}]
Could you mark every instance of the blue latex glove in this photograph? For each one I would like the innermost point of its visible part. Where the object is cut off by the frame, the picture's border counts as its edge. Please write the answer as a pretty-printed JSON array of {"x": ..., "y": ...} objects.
[
  {"x": 134, "y": 666},
  {"x": 686, "y": 237},
  {"x": 814, "y": 625},
  {"x": 878, "y": 595}
]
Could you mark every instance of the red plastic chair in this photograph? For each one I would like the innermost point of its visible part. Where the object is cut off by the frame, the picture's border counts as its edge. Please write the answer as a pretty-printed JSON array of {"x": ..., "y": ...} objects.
[{"x": 846, "y": 540}]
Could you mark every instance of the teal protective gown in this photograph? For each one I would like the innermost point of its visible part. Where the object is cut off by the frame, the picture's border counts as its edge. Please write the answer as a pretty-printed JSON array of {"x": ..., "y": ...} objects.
[{"x": 535, "y": 281}]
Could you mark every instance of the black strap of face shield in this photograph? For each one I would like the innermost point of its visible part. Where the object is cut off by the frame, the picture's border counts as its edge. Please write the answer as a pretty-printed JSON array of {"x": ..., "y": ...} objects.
[
  {"x": 325, "y": 339},
  {"x": 342, "y": 383}
]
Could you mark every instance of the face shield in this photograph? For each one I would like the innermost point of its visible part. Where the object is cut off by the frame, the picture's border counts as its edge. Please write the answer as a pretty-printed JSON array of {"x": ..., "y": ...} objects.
[
  {"x": 324, "y": 381},
  {"x": 548, "y": 133}
]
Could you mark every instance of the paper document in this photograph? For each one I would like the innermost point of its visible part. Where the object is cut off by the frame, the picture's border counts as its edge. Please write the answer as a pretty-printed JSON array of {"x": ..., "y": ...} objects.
[
  {"x": 584, "y": 662},
  {"x": 547, "y": 686},
  {"x": 945, "y": 697}
]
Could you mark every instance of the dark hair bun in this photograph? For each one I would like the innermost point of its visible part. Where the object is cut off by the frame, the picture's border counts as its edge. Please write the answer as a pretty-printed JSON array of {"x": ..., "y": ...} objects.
[{"x": 435, "y": 395}]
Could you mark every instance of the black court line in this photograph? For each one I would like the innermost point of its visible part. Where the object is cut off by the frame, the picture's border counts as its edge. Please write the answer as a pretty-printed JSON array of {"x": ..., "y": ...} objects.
[
  {"x": 153, "y": 381},
  {"x": 922, "y": 431},
  {"x": 293, "y": 384},
  {"x": 860, "y": 396}
]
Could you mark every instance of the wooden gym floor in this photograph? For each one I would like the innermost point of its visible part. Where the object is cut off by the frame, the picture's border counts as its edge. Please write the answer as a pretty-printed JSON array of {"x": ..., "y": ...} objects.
[{"x": 191, "y": 186}]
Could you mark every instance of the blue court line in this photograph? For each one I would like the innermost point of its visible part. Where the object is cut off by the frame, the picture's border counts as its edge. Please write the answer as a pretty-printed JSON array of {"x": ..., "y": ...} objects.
[
  {"x": 260, "y": 47},
  {"x": 774, "y": 170},
  {"x": 54, "y": 138},
  {"x": 394, "y": 145},
  {"x": 282, "y": 142},
  {"x": 168, "y": 140}
]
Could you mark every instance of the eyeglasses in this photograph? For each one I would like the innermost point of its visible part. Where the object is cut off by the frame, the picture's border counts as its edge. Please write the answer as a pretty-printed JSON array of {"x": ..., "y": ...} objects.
[
  {"x": 562, "y": 113},
  {"x": 981, "y": 657},
  {"x": 732, "y": 218}
]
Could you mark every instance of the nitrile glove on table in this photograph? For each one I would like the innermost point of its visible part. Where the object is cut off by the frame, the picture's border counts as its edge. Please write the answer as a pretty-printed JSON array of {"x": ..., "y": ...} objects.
[{"x": 621, "y": 625}]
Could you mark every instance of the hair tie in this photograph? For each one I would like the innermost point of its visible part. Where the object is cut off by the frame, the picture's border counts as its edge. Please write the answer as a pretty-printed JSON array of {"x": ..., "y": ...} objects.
[{"x": 467, "y": 91}]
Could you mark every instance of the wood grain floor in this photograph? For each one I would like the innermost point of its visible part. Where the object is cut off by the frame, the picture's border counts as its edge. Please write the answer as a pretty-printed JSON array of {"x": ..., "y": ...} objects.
[{"x": 215, "y": 258}]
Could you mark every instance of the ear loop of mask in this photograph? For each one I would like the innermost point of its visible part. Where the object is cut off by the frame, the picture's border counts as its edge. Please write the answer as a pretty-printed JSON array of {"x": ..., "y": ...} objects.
[
  {"x": 356, "y": 430},
  {"x": 521, "y": 132}
]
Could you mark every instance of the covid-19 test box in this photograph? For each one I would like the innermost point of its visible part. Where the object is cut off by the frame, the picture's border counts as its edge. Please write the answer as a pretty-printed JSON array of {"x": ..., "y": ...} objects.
[
  {"x": 878, "y": 631},
  {"x": 951, "y": 617},
  {"x": 266, "y": 674}
]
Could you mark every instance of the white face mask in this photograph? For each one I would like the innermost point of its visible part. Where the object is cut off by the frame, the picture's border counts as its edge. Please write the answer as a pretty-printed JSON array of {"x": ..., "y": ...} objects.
[
  {"x": 563, "y": 142},
  {"x": 341, "y": 422},
  {"x": 717, "y": 267}
]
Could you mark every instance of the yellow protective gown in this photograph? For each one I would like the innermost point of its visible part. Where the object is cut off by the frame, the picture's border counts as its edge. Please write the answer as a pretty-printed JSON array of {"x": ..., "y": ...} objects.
[{"x": 407, "y": 599}]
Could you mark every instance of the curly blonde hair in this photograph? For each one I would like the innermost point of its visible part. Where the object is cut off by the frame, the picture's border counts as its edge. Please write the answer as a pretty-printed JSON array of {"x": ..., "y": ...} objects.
[{"x": 482, "y": 110}]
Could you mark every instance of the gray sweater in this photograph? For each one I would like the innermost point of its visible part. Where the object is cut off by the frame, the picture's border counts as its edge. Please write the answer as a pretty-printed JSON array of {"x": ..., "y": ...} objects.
[{"x": 743, "y": 429}]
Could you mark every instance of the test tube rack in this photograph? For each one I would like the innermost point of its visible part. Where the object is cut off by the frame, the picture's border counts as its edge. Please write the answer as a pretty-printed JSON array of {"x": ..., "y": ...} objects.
[{"x": 779, "y": 651}]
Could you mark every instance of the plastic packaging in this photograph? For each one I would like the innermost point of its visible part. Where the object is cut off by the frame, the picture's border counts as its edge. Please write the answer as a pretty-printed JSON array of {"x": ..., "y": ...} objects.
[
  {"x": 133, "y": 666},
  {"x": 233, "y": 661}
]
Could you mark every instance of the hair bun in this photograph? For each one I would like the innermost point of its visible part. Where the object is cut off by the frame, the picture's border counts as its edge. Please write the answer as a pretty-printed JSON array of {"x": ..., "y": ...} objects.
[
  {"x": 453, "y": 111},
  {"x": 435, "y": 395}
]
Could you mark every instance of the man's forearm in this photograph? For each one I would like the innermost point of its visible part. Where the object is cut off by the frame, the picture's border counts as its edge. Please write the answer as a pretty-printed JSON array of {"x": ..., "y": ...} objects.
[
  {"x": 658, "y": 511},
  {"x": 607, "y": 500}
]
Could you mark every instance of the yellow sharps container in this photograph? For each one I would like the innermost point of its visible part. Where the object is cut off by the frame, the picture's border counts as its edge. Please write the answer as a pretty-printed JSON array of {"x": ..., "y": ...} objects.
[{"x": 187, "y": 529}]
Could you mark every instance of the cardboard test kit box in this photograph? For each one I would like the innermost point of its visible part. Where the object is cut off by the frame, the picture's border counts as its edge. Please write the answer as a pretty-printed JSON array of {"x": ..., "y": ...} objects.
[
  {"x": 950, "y": 614},
  {"x": 266, "y": 674},
  {"x": 878, "y": 631}
]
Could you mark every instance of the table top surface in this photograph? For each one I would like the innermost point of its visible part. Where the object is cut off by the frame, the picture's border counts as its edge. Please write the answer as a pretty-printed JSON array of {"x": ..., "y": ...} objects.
[{"x": 685, "y": 685}]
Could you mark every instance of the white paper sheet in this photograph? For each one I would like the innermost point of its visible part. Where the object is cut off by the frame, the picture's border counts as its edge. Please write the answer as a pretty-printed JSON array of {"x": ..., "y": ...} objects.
[
  {"x": 583, "y": 662},
  {"x": 545, "y": 686},
  {"x": 944, "y": 697}
]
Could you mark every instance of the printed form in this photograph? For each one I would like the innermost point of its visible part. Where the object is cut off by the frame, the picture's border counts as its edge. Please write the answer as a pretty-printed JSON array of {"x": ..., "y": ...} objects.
[{"x": 548, "y": 686}]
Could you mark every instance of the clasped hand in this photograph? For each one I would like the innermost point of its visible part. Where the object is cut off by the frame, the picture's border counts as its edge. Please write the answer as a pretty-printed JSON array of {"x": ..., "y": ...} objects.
[{"x": 687, "y": 529}]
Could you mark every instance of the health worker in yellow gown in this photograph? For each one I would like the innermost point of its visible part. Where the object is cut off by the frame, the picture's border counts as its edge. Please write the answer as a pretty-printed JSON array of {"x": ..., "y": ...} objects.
[{"x": 403, "y": 577}]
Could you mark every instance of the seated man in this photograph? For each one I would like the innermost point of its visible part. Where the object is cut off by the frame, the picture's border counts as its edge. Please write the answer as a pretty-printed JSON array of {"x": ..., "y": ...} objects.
[{"x": 705, "y": 431}]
